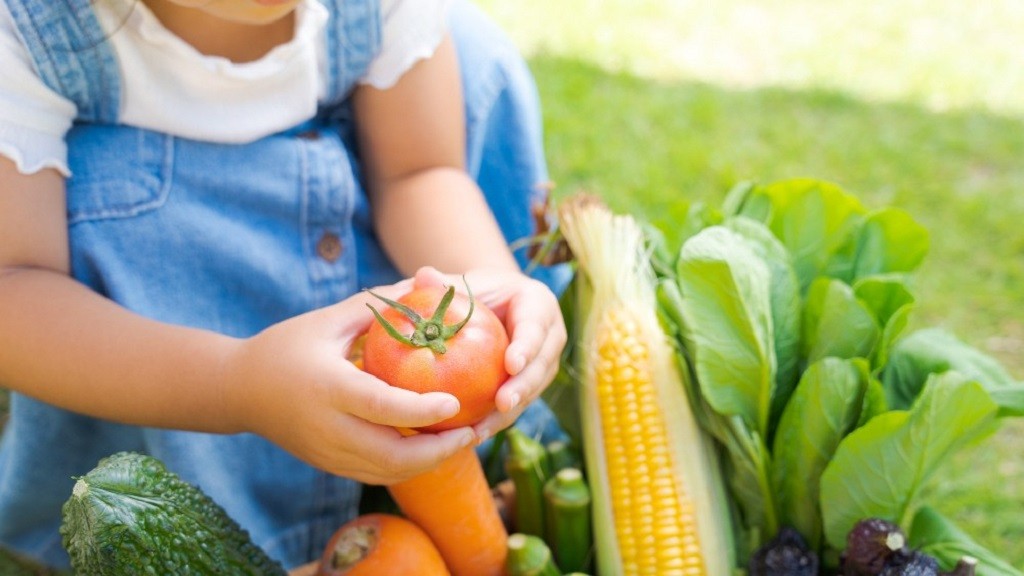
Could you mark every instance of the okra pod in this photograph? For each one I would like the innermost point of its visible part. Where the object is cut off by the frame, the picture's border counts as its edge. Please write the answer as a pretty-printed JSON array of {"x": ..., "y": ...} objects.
[
  {"x": 528, "y": 555},
  {"x": 567, "y": 519},
  {"x": 562, "y": 455},
  {"x": 528, "y": 466}
]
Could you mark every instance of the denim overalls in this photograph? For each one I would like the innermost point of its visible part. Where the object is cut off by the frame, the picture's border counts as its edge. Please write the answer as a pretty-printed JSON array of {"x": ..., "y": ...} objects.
[{"x": 233, "y": 238}]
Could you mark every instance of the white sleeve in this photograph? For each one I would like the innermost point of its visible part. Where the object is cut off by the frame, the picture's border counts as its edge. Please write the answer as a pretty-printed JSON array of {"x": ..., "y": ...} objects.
[
  {"x": 411, "y": 30},
  {"x": 33, "y": 118}
]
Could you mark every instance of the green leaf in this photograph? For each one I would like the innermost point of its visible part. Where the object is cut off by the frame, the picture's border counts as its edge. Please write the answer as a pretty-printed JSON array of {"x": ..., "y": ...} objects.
[
  {"x": 698, "y": 217},
  {"x": 726, "y": 308},
  {"x": 874, "y": 402},
  {"x": 837, "y": 323},
  {"x": 817, "y": 221},
  {"x": 885, "y": 296},
  {"x": 933, "y": 351},
  {"x": 891, "y": 302},
  {"x": 736, "y": 201},
  {"x": 879, "y": 469},
  {"x": 825, "y": 407},
  {"x": 784, "y": 292},
  {"x": 939, "y": 537},
  {"x": 890, "y": 240},
  {"x": 747, "y": 466},
  {"x": 661, "y": 256}
]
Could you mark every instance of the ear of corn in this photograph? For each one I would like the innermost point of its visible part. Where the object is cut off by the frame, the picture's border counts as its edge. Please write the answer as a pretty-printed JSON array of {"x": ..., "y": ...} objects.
[{"x": 657, "y": 500}]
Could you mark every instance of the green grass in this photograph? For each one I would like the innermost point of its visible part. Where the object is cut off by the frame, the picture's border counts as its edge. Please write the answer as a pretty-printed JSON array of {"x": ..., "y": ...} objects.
[{"x": 944, "y": 54}]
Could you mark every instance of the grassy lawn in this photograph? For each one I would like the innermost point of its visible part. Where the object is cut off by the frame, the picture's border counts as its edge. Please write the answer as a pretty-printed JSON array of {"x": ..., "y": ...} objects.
[{"x": 654, "y": 105}]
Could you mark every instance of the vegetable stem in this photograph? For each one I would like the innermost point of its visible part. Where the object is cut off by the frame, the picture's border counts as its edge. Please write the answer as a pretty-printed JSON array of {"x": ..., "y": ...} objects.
[{"x": 431, "y": 333}]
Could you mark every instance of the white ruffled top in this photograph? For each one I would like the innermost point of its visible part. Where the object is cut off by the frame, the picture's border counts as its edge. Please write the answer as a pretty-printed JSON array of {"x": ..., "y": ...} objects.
[{"x": 168, "y": 86}]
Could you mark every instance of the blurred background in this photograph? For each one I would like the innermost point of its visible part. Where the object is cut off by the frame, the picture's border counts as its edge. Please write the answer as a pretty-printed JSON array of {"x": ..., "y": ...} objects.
[{"x": 917, "y": 104}]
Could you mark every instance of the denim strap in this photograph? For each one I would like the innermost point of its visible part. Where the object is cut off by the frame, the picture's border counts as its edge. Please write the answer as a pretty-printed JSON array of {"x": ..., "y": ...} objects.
[
  {"x": 354, "y": 32},
  {"x": 71, "y": 54}
]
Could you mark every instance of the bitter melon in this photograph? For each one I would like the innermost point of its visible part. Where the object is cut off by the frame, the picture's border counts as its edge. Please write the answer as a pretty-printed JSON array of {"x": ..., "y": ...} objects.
[{"x": 131, "y": 516}]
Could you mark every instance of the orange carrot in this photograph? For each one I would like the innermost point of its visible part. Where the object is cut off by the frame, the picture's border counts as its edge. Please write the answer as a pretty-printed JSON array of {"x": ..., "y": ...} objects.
[
  {"x": 454, "y": 506},
  {"x": 381, "y": 545}
]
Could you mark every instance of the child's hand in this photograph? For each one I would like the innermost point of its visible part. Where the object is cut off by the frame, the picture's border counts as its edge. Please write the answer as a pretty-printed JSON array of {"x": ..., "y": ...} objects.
[
  {"x": 292, "y": 384},
  {"x": 536, "y": 331}
]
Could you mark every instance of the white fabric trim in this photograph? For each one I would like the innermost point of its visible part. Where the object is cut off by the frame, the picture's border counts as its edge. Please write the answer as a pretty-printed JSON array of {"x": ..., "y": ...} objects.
[
  {"x": 37, "y": 163},
  {"x": 412, "y": 31}
]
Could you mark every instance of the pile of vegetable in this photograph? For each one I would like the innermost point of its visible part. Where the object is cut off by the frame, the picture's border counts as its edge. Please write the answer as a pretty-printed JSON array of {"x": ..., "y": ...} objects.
[
  {"x": 131, "y": 515},
  {"x": 787, "y": 311},
  {"x": 751, "y": 401}
]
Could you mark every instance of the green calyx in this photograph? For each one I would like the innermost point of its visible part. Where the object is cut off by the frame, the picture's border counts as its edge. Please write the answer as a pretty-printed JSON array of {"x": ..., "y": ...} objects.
[{"x": 427, "y": 332}]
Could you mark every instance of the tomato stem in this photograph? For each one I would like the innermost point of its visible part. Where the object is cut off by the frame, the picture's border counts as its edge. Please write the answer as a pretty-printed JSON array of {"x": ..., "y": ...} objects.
[{"x": 427, "y": 333}]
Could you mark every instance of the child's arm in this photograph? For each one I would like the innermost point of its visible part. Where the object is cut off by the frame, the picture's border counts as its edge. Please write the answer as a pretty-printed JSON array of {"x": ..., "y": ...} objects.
[
  {"x": 429, "y": 212},
  {"x": 66, "y": 345},
  {"x": 427, "y": 209}
]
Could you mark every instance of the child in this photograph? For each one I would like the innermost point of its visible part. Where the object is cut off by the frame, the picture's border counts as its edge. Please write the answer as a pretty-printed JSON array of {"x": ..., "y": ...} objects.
[{"x": 193, "y": 194}]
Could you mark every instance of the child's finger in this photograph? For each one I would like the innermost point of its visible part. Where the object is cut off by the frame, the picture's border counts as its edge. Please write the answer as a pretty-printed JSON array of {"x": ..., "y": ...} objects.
[
  {"x": 526, "y": 342},
  {"x": 375, "y": 401},
  {"x": 428, "y": 276},
  {"x": 423, "y": 452},
  {"x": 534, "y": 376},
  {"x": 383, "y": 456}
]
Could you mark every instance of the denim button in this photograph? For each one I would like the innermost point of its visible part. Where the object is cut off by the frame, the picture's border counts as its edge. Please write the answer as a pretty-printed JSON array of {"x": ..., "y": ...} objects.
[
  {"x": 329, "y": 247},
  {"x": 309, "y": 135}
]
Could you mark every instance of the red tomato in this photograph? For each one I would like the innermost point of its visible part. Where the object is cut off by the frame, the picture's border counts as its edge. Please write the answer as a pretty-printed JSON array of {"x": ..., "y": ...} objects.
[{"x": 471, "y": 367}]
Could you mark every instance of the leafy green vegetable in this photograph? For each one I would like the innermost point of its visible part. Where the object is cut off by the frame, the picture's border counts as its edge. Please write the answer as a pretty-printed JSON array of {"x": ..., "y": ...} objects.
[
  {"x": 890, "y": 240},
  {"x": 933, "y": 351},
  {"x": 747, "y": 467},
  {"x": 726, "y": 309},
  {"x": 825, "y": 407},
  {"x": 879, "y": 469},
  {"x": 785, "y": 307},
  {"x": 938, "y": 536},
  {"x": 837, "y": 323},
  {"x": 746, "y": 459},
  {"x": 891, "y": 302},
  {"x": 817, "y": 222},
  {"x": 874, "y": 402}
]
